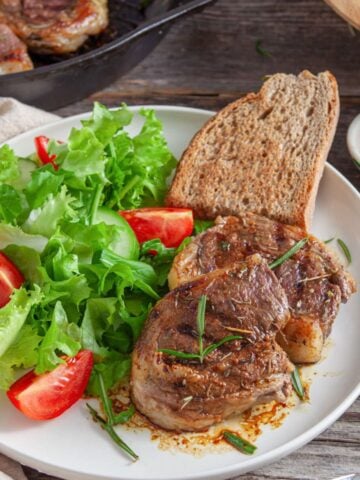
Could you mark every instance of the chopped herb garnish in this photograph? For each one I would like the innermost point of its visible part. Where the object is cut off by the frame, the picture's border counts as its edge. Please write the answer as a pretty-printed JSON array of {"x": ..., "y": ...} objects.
[
  {"x": 351, "y": 30},
  {"x": 186, "y": 401},
  {"x": 112, "y": 419},
  {"x": 298, "y": 246},
  {"x": 329, "y": 240},
  {"x": 318, "y": 277},
  {"x": 200, "y": 324},
  {"x": 297, "y": 383},
  {"x": 260, "y": 50},
  {"x": 225, "y": 246},
  {"x": 145, "y": 3},
  {"x": 239, "y": 443},
  {"x": 345, "y": 249}
]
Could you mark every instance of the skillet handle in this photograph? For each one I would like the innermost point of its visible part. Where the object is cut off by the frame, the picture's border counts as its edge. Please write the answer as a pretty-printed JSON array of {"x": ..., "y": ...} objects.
[{"x": 157, "y": 22}]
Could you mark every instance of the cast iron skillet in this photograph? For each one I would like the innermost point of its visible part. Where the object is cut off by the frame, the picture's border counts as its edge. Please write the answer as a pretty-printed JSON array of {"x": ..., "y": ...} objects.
[{"x": 55, "y": 83}]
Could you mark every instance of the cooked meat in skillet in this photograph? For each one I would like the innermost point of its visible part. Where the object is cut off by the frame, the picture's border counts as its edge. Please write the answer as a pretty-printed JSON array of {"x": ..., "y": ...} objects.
[
  {"x": 13, "y": 53},
  {"x": 182, "y": 394},
  {"x": 54, "y": 26},
  {"x": 314, "y": 280}
]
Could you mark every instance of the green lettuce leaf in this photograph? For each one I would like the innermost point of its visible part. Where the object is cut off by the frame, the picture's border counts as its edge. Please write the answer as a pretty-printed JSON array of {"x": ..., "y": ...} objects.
[
  {"x": 11, "y": 204},
  {"x": 163, "y": 260},
  {"x": 61, "y": 337},
  {"x": 27, "y": 261},
  {"x": 72, "y": 291},
  {"x": 59, "y": 264},
  {"x": 44, "y": 181},
  {"x": 106, "y": 123},
  {"x": 14, "y": 314},
  {"x": 10, "y": 235},
  {"x": 113, "y": 369},
  {"x": 85, "y": 155},
  {"x": 22, "y": 353},
  {"x": 99, "y": 315},
  {"x": 202, "y": 225},
  {"x": 45, "y": 219},
  {"x": 9, "y": 168}
]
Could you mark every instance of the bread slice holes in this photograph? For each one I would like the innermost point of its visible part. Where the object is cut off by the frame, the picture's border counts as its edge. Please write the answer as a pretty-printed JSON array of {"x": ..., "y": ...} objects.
[
  {"x": 310, "y": 112},
  {"x": 266, "y": 113}
]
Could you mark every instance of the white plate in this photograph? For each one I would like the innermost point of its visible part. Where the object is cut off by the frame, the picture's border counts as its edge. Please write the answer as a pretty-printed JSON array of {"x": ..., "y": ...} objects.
[{"x": 73, "y": 447}]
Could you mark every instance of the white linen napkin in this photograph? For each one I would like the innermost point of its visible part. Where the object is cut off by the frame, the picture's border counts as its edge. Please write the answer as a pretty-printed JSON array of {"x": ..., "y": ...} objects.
[{"x": 16, "y": 118}]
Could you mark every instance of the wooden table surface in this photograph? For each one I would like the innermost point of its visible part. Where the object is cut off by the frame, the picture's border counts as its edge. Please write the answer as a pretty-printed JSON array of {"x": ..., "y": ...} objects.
[{"x": 210, "y": 59}]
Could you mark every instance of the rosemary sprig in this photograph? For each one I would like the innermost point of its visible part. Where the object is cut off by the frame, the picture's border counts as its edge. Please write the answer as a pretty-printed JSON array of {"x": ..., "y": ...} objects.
[
  {"x": 177, "y": 353},
  {"x": 106, "y": 400},
  {"x": 112, "y": 419},
  {"x": 200, "y": 324},
  {"x": 110, "y": 430},
  {"x": 345, "y": 249},
  {"x": 329, "y": 240},
  {"x": 124, "y": 416},
  {"x": 239, "y": 443},
  {"x": 214, "y": 346},
  {"x": 260, "y": 50},
  {"x": 297, "y": 384},
  {"x": 298, "y": 246}
]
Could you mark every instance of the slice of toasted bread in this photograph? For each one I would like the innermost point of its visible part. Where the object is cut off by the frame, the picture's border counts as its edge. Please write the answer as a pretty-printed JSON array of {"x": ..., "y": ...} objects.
[{"x": 264, "y": 153}]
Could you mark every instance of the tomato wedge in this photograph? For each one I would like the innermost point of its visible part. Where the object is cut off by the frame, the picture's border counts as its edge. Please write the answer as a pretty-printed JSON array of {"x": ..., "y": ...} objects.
[
  {"x": 46, "y": 396},
  {"x": 41, "y": 145},
  {"x": 170, "y": 225},
  {"x": 10, "y": 279}
]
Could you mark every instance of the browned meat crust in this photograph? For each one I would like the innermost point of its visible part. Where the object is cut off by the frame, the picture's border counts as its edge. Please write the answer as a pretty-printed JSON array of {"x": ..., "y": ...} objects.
[
  {"x": 183, "y": 394},
  {"x": 314, "y": 280},
  {"x": 13, "y": 53},
  {"x": 54, "y": 26}
]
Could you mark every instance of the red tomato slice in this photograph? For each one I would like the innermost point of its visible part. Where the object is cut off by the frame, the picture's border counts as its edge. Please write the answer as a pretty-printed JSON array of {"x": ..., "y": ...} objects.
[
  {"x": 170, "y": 225},
  {"x": 46, "y": 396},
  {"x": 10, "y": 279},
  {"x": 41, "y": 145}
]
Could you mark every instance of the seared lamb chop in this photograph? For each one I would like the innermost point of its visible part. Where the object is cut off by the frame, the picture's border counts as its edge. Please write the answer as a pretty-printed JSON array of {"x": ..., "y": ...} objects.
[
  {"x": 183, "y": 394},
  {"x": 13, "y": 53},
  {"x": 54, "y": 26},
  {"x": 314, "y": 280}
]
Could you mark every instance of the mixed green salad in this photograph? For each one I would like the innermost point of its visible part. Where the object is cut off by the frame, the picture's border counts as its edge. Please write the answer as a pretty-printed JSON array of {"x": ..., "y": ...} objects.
[{"x": 87, "y": 283}]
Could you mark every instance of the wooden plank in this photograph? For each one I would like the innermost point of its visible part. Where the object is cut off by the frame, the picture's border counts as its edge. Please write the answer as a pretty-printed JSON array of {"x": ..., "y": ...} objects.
[{"x": 215, "y": 51}]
